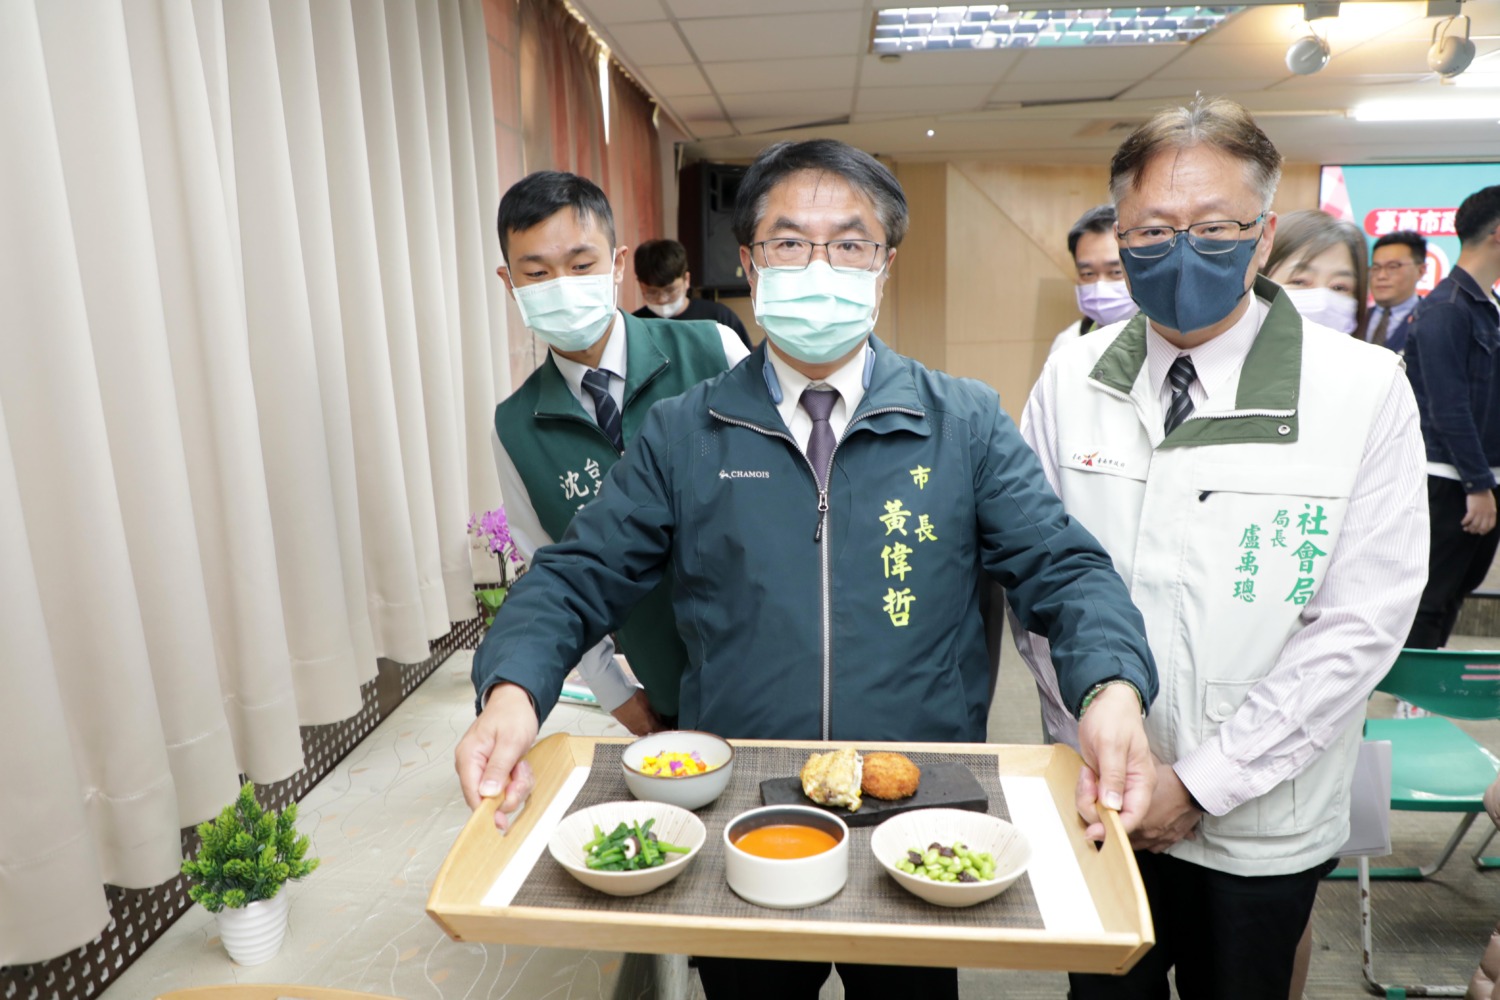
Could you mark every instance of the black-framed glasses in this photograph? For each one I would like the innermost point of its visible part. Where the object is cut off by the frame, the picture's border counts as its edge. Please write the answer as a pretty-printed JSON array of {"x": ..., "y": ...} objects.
[
  {"x": 843, "y": 255},
  {"x": 1215, "y": 237},
  {"x": 1392, "y": 266}
]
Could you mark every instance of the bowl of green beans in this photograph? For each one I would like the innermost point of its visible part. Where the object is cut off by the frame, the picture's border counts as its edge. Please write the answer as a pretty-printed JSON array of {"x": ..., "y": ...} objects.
[
  {"x": 627, "y": 848},
  {"x": 951, "y": 857}
]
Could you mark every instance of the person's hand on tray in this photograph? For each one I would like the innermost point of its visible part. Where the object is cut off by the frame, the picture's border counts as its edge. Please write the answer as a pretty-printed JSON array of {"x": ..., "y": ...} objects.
[
  {"x": 1119, "y": 772},
  {"x": 488, "y": 758},
  {"x": 637, "y": 715},
  {"x": 1173, "y": 815}
]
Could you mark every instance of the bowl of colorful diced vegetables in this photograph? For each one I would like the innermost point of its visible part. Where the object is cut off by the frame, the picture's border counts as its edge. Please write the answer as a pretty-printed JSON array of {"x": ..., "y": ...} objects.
[
  {"x": 684, "y": 767},
  {"x": 951, "y": 857},
  {"x": 627, "y": 848}
]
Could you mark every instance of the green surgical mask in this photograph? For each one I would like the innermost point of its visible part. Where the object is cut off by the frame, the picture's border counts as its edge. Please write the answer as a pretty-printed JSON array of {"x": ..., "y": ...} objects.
[
  {"x": 570, "y": 313},
  {"x": 818, "y": 313}
]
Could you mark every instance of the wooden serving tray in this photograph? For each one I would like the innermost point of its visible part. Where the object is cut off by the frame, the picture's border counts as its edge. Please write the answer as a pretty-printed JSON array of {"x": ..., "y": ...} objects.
[{"x": 1092, "y": 903}]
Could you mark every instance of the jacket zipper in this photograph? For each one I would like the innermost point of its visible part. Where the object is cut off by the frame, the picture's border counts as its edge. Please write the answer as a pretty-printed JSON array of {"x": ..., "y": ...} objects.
[{"x": 820, "y": 539}]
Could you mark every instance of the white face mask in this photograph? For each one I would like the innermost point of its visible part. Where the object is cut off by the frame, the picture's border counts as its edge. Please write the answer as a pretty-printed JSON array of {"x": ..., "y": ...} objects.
[
  {"x": 1106, "y": 302},
  {"x": 670, "y": 309},
  {"x": 816, "y": 314},
  {"x": 570, "y": 313},
  {"x": 1334, "y": 310}
]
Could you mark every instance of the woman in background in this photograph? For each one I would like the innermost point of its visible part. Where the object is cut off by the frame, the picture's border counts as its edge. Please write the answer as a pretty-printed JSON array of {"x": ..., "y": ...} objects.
[{"x": 1321, "y": 262}]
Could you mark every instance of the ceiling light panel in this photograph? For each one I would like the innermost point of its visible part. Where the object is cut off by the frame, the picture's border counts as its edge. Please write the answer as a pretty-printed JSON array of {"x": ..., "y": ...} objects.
[{"x": 1001, "y": 26}]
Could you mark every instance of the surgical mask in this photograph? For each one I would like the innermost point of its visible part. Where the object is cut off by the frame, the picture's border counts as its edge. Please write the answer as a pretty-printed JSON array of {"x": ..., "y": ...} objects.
[
  {"x": 1185, "y": 290},
  {"x": 1334, "y": 310},
  {"x": 816, "y": 314},
  {"x": 1105, "y": 302},
  {"x": 670, "y": 309},
  {"x": 570, "y": 313}
]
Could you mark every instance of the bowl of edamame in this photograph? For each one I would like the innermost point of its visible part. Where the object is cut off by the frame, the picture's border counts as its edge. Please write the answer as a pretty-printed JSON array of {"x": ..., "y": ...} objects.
[{"x": 951, "y": 857}]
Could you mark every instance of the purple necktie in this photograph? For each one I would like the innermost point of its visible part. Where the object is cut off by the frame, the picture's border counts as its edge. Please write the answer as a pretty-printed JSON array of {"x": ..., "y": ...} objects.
[{"x": 819, "y": 404}]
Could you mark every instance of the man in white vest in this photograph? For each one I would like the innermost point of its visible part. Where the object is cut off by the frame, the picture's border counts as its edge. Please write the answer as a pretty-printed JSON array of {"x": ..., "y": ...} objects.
[{"x": 1258, "y": 481}]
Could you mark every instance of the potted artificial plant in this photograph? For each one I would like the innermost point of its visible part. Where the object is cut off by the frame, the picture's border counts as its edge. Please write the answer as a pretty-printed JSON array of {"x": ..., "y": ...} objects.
[
  {"x": 491, "y": 532},
  {"x": 247, "y": 855}
]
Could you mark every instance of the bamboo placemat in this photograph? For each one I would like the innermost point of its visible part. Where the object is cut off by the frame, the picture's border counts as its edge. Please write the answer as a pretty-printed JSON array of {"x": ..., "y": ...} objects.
[{"x": 869, "y": 896}]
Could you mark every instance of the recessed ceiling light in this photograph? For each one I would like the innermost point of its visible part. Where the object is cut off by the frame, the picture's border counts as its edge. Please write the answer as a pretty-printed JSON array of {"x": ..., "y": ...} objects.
[
  {"x": 1425, "y": 109},
  {"x": 998, "y": 26},
  {"x": 931, "y": 133}
]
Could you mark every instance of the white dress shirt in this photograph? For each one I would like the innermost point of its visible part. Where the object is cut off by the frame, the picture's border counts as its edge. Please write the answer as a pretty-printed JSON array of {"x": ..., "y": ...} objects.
[
  {"x": 848, "y": 381},
  {"x": 1214, "y": 362},
  {"x": 597, "y": 667},
  {"x": 1320, "y": 682}
]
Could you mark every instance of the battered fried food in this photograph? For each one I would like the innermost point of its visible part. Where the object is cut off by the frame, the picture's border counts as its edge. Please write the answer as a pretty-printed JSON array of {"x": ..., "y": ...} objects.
[
  {"x": 832, "y": 779},
  {"x": 890, "y": 776}
]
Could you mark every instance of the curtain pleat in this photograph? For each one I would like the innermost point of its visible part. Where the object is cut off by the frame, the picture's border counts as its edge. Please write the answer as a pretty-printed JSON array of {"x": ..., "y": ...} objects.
[
  {"x": 103, "y": 168},
  {"x": 394, "y": 253},
  {"x": 430, "y": 309},
  {"x": 249, "y": 346},
  {"x": 297, "y": 66},
  {"x": 203, "y": 317},
  {"x": 283, "y": 367},
  {"x": 61, "y": 457},
  {"x": 474, "y": 231},
  {"x": 397, "y": 611}
]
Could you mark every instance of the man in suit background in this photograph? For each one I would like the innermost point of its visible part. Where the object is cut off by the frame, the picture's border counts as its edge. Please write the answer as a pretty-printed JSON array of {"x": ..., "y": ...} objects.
[{"x": 1397, "y": 263}]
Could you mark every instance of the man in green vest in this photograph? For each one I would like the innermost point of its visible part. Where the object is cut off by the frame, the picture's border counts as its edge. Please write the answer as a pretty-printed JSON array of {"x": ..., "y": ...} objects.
[{"x": 561, "y": 431}]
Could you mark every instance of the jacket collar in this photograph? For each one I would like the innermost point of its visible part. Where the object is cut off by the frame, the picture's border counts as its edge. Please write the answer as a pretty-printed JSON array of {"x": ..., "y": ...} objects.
[
  {"x": 890, "y": 402},
  {"x": 1471, "y": 288},
  {"x": 644, "y": 361},
  {"x": 1265, "y": 406}
]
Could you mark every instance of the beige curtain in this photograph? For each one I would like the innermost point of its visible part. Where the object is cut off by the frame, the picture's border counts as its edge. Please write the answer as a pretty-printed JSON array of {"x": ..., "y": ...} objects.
[{"x": 250, "y": 339}]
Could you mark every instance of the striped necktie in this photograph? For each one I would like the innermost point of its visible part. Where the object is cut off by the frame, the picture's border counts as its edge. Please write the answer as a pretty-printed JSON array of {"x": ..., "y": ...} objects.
[
  {"x": 1181, "y": 375},
  {"x": 606, "y": 413}
]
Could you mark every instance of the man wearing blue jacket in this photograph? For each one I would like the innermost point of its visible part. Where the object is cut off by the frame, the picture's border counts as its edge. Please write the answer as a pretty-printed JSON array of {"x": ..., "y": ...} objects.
[
  {"x": 1453, "y": 361},
  {"x": 829, "y": 511}
]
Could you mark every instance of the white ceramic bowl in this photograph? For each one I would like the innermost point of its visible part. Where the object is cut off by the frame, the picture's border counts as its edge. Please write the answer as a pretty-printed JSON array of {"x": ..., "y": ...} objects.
[
  {"x": 692, "y": 791},
  {"x": 786, "y": 884},
  {"x": 977, "y": 831},
  {"x": 673, "y": 825}
]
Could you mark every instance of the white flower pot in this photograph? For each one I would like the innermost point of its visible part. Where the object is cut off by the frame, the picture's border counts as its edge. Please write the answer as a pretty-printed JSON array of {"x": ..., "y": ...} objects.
[{"x": 252, "y": 934}]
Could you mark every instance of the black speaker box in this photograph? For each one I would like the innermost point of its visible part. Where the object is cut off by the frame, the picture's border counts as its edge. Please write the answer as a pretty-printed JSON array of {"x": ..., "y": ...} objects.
[{"x": 705, "y": 216}]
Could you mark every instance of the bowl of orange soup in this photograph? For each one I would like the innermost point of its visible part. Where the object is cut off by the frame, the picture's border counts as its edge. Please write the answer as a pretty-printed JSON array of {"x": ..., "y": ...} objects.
[{"x": 786, "y": 857}]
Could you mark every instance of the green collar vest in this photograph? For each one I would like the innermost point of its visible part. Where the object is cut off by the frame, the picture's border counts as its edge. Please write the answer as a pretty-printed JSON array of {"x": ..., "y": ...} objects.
[
  {"x": 644, "y": 363},
  {"x": 1265, "y": 405}
]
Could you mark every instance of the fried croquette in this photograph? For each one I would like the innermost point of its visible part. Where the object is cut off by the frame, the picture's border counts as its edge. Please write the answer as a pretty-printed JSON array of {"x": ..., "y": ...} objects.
[{"x": 890, "y": 776}]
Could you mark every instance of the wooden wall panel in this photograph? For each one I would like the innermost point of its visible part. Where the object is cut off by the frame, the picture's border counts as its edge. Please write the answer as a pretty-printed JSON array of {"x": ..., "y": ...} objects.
[{"x": 919, "y": 274}]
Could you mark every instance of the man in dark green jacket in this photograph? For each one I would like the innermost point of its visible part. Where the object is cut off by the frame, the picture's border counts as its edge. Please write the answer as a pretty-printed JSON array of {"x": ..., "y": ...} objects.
[
  {"x": 829, "y": 511},
  {"x": 557, "y": 436}
]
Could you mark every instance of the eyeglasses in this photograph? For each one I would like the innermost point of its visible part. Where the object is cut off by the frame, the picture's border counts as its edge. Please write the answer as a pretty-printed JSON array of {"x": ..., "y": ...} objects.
[
  {"x": 1391, "y": 266},
  {"x": 1218, "y": 236},
  {"x": 843, "y": 255}
]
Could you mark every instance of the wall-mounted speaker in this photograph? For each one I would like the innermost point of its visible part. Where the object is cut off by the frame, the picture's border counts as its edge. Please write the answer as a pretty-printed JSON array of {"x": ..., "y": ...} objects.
[{"x": 705, "y": 217}]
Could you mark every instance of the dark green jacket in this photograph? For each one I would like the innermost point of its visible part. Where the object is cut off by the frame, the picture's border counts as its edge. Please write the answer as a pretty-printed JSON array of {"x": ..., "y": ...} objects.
[
  {"x": 861, "y": 622},
  {"x": 561, "y": 456}
]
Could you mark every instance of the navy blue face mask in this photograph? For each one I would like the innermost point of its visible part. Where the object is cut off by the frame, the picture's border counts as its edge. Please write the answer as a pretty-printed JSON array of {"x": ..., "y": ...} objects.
[{"x": 1185, "y": 290}]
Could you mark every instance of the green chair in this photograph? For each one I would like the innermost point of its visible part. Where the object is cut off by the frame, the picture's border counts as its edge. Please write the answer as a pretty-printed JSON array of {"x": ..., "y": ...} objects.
[{"x": 1435, "y": 766}]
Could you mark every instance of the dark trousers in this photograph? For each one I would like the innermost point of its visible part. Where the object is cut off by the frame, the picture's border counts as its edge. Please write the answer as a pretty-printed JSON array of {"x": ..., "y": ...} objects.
[
  {"x": 749, "y": 979},
  {"x": 1230, "y": 937},
  {"x": 1456, "y": 565}
]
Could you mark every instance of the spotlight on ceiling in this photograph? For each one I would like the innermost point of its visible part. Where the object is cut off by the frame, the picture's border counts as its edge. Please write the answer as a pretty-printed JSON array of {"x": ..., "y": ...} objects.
[
  {"x": 1449, "y": 54},
  {"x": 1308, "y": 54}
]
